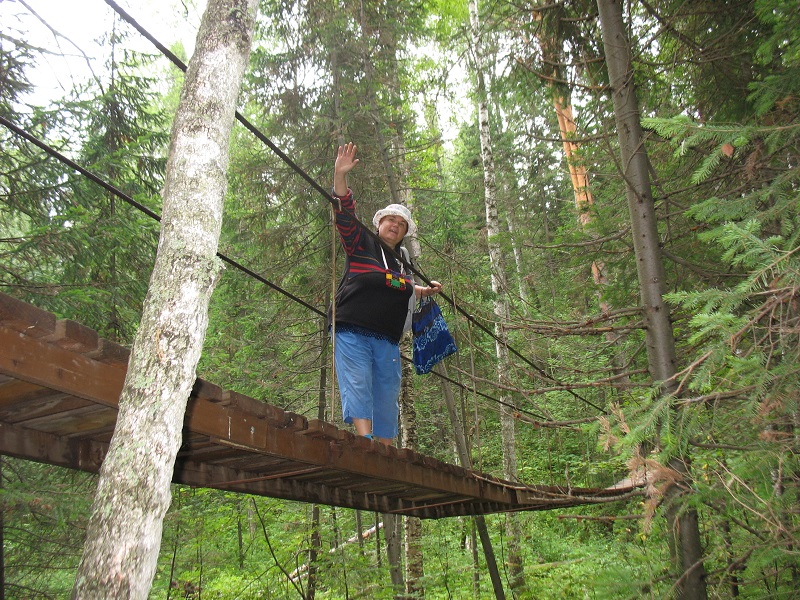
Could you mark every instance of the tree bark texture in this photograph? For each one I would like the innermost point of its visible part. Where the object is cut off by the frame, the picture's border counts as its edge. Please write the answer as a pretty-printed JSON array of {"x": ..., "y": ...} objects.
[
  {"x": 659, "y": 335},
  {"x": 412, "y": 526},
  {"x": 649, "y": 265},
  {"x": 500, "y": 289},
  {"x": 315, "y": 542},
  {"x": 391, "y": 529},
  {"x": 133, "y": 493},
  {"x": 552, "y": 47}
]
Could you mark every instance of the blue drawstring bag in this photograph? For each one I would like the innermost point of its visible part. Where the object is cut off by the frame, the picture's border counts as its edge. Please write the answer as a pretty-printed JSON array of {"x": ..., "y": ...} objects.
[{"x": 432, "y": 339}]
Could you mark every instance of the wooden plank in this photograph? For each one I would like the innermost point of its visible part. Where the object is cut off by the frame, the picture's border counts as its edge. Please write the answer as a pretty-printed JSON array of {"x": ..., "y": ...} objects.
[
  {"x": 74, "y": 337},
  {"x": 217, "y": 421},
  {"x": 53, "y": 407},
  {"x": 287, "y": 488},
  {"x": 110, "y": 352},
  {"x": 26, "y": 318},
  {"x": 90, "y": 422},
  {"x": 14, "y": 393},
  {"x": 46, "y": 364},
  {"x": 82, "y": 455},
  {"x": 50, "y": 366}
]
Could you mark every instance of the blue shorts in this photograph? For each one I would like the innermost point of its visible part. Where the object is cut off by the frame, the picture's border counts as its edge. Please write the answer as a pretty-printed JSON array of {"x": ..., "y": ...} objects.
[{"x": 369, "y": 373}]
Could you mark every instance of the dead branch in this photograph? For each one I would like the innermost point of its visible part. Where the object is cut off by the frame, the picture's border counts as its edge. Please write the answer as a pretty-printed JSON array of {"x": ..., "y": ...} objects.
[
  {"x": 605, "y": 518},
  {"x": 303, "y": 569},
  {"x": 741, "y": 392}
]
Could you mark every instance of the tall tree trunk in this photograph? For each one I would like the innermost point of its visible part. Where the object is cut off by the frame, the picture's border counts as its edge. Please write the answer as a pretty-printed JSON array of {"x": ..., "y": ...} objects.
[
  {"x": 581, "y": 190},
  {"x": 391, "y": 529},
  {"x": 360, "y": 531},
  {"x": 660, "y": 340},
  {"x": 322, "y": 406},
  {"x": 408, "y": 415},
  {"x": 577, "y": 171},
  {"x": 133, "y": 493},
  {"x": 239, "y": 533},
  {"x": 478, "y": 524},
  {"x": 500, "y": 289},
  {"x": 466, "y": 462},
  {"x": 412, "y": 525}
]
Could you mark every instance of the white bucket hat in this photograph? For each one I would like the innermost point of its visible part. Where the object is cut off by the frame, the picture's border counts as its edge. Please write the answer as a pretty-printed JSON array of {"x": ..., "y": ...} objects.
[{"x": 400, "y": 211}]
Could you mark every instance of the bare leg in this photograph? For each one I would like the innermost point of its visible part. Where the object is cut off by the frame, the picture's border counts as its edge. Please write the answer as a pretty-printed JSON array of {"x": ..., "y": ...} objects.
[{"x": 363, "y": 426}]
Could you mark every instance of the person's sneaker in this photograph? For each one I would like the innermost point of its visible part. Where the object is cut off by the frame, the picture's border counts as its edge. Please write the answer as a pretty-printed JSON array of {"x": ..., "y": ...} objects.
[{"x": 369, "y": 436}]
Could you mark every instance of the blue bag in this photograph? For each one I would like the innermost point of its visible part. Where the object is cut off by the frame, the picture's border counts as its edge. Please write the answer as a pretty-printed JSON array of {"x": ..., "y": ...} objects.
[{"x": 432, "y": 339}]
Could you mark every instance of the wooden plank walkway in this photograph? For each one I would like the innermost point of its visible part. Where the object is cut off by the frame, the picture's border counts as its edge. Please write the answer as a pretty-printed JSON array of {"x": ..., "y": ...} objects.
[{"x": 59, "y": 388}]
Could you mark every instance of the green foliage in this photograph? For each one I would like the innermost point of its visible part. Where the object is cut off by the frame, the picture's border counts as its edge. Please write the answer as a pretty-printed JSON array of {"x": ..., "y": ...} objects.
[
  {"x": 780, "y": 51},
  {"x": 743, "y": 355},
  {"x": 718, "y": 85},
  {"x": 16, "y": 55},
  {"x": 83, "y": 245},
  {"x": 45, "y": 510}
]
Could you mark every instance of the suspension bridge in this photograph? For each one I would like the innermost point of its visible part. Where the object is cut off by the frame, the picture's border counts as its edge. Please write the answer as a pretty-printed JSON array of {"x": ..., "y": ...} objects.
[{"x": 60, "y": 384}]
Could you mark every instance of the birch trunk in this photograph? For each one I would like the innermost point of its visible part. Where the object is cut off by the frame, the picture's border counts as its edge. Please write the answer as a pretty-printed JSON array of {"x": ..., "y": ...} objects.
[
  {"x": 660, "y": 340},
  {"x": 500, "y": 289},
  {"x": 133, "y": 493}
]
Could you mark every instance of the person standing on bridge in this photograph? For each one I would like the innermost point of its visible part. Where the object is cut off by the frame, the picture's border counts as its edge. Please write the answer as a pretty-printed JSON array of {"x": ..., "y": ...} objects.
[{"x": 372, "y": 309}]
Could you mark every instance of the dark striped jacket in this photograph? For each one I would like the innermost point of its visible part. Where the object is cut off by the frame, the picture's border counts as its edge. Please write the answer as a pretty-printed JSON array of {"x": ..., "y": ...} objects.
[{"x": 371, "y": 298}]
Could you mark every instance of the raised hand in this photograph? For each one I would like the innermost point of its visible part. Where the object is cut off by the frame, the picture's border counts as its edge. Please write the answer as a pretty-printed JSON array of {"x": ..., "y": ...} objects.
[{"x": 345, "y": 161}]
